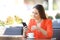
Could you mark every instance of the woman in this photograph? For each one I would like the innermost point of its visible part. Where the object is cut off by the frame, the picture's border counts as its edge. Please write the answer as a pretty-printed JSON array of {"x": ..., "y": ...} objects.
[{"x": 40, "y": 25}]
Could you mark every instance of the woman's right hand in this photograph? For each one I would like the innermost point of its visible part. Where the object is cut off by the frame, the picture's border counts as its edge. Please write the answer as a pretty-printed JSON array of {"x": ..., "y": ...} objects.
[{"x": 24, "y": 31}]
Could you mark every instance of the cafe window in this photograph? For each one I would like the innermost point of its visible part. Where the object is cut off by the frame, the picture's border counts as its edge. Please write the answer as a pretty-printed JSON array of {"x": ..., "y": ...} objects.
[
  {"x": 33, "y": 2},
  {"x": 56, "y": 4}
]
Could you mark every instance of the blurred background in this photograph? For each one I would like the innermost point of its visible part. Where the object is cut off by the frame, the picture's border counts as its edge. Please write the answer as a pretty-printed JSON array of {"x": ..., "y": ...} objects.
[
  {"x": 23, "y": 8},
  {"x": 12, "y": 11}
]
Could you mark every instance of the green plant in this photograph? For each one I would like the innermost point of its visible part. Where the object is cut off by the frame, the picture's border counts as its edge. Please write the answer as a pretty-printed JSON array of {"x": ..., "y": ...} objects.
[
  {"x": 2, "y": 23},
  {"x": 57, "y": 16},
  {"x": 50, "y": 17}
]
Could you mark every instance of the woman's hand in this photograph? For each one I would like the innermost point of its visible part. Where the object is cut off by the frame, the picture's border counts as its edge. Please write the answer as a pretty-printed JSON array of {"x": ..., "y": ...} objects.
[
  {"x": 34, "y": 27},
  {"x": 24, "y": 32},
  {"x": 38, "y": 25}
]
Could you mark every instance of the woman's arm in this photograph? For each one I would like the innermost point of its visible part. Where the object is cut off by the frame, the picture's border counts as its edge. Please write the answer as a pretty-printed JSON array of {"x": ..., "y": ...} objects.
[
  {"x": 44, "y": 32},
  {"x": 24, "y": 32},
  {"x": 49, "y": 31}
]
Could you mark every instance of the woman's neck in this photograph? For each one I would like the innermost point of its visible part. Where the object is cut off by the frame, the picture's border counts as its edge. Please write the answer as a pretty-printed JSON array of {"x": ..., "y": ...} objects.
[{"x": 39, "y": 20}]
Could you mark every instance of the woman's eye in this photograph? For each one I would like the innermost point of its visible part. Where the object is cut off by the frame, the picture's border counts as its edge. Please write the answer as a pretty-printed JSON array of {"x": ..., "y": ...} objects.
[{"x": 35, "y": 13}]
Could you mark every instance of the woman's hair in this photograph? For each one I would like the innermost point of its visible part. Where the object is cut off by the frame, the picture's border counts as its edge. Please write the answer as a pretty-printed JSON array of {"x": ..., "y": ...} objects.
[{"x": 41, "y": 11}]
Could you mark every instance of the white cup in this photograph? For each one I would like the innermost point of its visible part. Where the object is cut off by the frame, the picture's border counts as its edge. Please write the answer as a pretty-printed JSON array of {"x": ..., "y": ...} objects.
[{"x": 30, "y": 35}]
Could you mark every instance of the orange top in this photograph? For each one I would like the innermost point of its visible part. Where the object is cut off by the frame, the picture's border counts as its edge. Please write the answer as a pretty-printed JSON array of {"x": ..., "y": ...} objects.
[{"x": 45, "y": 24}]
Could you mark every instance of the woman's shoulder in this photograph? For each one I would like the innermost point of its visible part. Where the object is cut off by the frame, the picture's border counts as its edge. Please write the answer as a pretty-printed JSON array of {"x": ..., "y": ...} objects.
[
  {"x": 32, "y": 19},
  {"x": 47, "y": 20}
]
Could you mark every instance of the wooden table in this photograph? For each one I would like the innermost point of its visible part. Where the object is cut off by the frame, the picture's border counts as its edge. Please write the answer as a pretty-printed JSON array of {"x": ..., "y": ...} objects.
[
  {"x": 19, "y": 37},
  {"x": 11, "y": 37}
]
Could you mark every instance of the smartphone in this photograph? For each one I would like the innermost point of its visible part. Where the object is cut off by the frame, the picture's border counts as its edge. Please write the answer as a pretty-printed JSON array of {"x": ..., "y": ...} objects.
[{"x": 24, "y": 24}]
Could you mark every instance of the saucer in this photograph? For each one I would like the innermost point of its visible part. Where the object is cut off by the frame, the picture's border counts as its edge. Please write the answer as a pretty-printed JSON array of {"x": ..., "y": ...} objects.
[{"x": 30, "y": 37}]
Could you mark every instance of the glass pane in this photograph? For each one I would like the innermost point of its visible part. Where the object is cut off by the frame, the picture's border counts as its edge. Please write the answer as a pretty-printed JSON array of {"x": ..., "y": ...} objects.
[{"x": 56, "y": 4}]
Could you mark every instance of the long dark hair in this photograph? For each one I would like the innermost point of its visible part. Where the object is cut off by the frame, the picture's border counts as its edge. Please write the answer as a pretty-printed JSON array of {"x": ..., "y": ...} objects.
[{"x": 41, "y": 11}]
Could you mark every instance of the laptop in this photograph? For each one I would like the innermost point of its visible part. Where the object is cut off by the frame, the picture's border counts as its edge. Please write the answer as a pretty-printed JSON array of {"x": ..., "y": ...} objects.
[{"x": 14, "y": 31}]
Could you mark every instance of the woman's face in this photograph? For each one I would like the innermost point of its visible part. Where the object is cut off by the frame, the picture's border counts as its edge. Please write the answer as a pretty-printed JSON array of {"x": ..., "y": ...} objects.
[{"x": 36, "y": 14}]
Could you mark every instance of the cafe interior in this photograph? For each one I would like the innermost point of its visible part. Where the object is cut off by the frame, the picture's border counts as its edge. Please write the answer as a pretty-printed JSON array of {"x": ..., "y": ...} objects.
[{"x": 15, "y": 15}]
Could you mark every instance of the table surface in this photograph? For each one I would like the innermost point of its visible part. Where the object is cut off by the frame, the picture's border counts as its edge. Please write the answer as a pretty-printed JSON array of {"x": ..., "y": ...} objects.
[
  {"x": 19, "y": 37},
  {"x": 11, "y": 36}
]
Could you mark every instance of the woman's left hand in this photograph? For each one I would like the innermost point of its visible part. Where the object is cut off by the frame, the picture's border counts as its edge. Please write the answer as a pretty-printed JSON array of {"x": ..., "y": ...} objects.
[
  {"x": 38, "y": 25},
  {"x": 34, "y": 27}
]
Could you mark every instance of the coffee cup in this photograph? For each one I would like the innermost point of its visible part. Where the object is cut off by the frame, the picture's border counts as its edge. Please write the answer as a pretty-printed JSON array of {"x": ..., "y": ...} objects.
[{"x": 30, "y": 35}]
